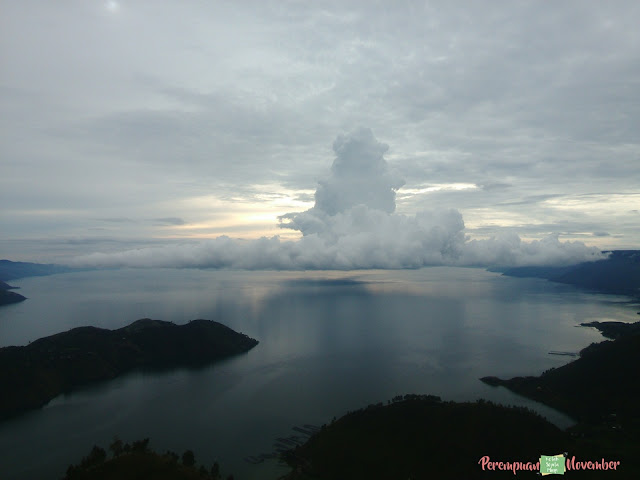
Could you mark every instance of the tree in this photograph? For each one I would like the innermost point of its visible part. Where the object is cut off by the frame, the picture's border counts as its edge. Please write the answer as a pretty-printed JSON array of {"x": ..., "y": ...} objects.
[
  {"x": 96, "y": 456},
  {"x": 188, "y": 459},
  {"x": 215, "y": 471},
  {"x": 172, "y": 456},
  {"x": 140, "y": 446},
  {"x": 116, "y": 447}
]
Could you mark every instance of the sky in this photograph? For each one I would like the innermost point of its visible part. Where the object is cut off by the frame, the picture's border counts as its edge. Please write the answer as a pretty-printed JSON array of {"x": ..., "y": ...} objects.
[{"x": 295, "y": 134}]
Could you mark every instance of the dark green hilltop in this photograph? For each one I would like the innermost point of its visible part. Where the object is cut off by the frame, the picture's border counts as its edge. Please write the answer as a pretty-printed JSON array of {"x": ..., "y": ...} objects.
[
  {"x": 34, "y": 374},
  {"x": 137, "y": 461},
  {"x": 422, "y": 437}
]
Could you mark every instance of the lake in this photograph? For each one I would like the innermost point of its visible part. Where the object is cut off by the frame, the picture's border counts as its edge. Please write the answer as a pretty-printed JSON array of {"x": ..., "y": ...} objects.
[{"x": 329, "y": 342}]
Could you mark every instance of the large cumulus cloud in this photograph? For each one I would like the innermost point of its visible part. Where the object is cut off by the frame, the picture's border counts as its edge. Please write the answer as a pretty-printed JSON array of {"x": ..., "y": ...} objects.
[{"x": 353, "y": 225}]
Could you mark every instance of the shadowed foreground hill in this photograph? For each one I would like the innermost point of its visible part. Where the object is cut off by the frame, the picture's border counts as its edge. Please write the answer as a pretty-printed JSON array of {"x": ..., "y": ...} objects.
[
  {"x": 138, "y": 462},
  {"x": 421, "y": 437},
  {"x": 34, "y": 374}
]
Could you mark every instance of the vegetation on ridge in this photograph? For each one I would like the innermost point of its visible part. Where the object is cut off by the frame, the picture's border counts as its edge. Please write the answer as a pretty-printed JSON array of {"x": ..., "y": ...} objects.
[
  {"x": 34, "y": 374},
  {"x": 138, "y": 462},
  {"x": 421, "y": 437}
]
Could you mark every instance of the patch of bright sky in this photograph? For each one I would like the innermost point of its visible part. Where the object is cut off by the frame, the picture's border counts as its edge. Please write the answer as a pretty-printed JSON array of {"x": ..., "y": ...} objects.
[
  {"x": 597, "y": 204},
  {"x": 244, "y": 217},
  {"x": 438, "y": 187},
  {"x": 112, "y": 6}
]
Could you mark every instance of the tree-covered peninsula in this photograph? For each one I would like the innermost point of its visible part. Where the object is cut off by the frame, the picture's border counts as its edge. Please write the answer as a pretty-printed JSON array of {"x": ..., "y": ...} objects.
[
  {"x": 34, "y": 374},
  {"x": 7, "y": 297},
  {"x": 419, "y": 436}
]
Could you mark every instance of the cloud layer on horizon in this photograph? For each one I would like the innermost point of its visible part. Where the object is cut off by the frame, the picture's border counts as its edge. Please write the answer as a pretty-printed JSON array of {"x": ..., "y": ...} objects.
[{"x": 353, "y": 225}]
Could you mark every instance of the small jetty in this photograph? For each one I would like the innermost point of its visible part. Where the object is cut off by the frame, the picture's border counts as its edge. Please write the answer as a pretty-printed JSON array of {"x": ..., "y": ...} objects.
[
  {"x": 304, "y": 431},
  {"x": 568, "y": 354}
]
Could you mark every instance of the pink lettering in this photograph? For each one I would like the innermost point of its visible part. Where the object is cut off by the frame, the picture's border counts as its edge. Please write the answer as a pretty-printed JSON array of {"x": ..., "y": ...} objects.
[
  {"x": 483, "y": 461},
  {"x": 570, "y": 464}
]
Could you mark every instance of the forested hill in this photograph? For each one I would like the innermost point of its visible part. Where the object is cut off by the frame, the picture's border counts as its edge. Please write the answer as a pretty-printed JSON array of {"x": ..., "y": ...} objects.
[{"x": 34, "y": 374}]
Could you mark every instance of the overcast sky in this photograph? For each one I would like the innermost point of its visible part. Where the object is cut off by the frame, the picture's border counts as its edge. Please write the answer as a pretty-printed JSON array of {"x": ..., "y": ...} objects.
[{"x": 156, "y": 124}]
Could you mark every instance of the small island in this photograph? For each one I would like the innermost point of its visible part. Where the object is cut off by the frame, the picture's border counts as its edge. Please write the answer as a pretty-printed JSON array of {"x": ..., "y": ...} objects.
[{"x": 32, "y": 375}]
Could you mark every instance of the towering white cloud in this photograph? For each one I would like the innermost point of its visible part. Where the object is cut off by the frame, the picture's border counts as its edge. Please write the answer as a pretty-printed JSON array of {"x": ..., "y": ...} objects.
[
  {"x": 353, "y": 225},
  {"x": 359, "y": 176}
]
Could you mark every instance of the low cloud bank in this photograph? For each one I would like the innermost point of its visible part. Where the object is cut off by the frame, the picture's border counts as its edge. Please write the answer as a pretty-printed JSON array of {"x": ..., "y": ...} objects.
[{"x": 353, "y": 226}]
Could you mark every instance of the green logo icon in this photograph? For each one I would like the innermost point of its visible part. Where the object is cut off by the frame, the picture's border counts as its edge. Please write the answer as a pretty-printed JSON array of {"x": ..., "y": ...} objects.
[{"x": 552, "y": 465}]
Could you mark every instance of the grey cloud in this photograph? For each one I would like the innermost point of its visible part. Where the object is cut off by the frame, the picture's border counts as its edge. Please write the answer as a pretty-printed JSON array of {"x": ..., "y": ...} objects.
[
  {"x": 169, "y": 221},
  {"x": 349, "y": 228},
  {"x": 179, "y": 100},
  {"x": 116, "y": 220},
  {"x": 359, "y": 175},
  {"x": 493, "y": 186},
  {"x": 304, "y": 197},
  {"x": 504, "y": 250},
  {"x": 531, "y": 199}
]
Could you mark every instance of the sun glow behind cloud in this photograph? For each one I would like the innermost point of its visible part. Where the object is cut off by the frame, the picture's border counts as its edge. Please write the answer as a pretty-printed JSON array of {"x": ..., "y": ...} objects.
[
  {"x": 112, "y": 6},
  {"x": 601, "y": 204},
  {"x": 250, "y": 217}
]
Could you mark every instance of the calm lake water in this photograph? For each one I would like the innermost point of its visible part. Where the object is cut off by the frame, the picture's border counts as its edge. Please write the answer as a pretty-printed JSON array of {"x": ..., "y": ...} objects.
[{"x": 329, "y": 342}]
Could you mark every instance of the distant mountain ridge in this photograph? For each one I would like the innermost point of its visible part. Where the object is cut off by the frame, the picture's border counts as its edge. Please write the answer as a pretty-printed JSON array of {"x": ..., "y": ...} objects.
[
  {"x": 617, "y": 274},
  {"x": 13, "y": 270}
]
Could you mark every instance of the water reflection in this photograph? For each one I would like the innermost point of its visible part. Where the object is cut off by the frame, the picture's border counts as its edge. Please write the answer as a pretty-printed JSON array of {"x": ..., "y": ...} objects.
[{"x": 329, "y": 342}]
